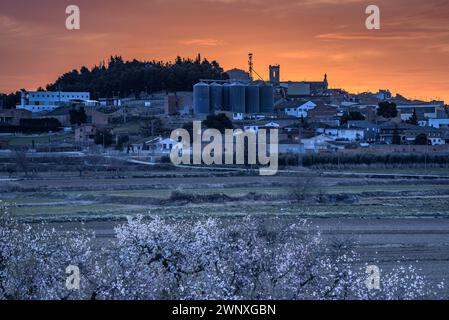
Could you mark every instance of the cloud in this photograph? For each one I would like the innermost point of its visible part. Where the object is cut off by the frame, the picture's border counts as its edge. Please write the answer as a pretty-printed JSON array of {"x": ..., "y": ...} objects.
[
  {"x": 12, "y": 28},
  {"x": 330, "y": 2},
  {"x": 353, "y": 55},
  {"x": 290, "y": 2},
  {"x": 295, "y": 55},
  {"x": 204, "y": 42},
  {"x": 379, "y": 35}
]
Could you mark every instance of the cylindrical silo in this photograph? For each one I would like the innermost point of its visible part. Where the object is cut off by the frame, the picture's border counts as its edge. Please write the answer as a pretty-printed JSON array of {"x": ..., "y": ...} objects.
[
  {"x": 237, "y": 97},
  {"x": 266, "y": 98},
  {"x": 201, "y": 98},
  {"x": 252, "y": 98},
  {"x": 216, "y": 97},
  {"x": 226, "y": 97}
]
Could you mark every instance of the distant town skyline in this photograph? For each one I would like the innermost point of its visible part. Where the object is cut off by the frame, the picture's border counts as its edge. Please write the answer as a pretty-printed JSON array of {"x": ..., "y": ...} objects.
[{"x": 409, "y": 55}]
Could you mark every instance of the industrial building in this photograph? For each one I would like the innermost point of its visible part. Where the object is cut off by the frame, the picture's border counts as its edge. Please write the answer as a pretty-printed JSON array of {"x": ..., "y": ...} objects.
[
  {"x": 233, "y": 96},
  {"x": 238, "y": 75},
  {"x": 39, "y": 101},
  {"x": 422, "y": 110},
  {"x": 176, "y": 103},
  {"x": 302, "y": 89},
  {"x": 242, "y": 95}
]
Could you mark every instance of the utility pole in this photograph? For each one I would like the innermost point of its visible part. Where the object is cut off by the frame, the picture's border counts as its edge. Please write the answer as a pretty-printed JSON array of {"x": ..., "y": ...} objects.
[
  {"x": 59, "y": 94},
  {"x": 427, "y": 151},
  {"x": 299, "y": 159},
  {"x": 123, "y": 109},
  {"x": 251, "y": 65}
]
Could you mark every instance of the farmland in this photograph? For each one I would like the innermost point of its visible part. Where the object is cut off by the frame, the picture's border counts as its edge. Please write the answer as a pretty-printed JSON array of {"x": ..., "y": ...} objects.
[{"x": 97, "y": 198}]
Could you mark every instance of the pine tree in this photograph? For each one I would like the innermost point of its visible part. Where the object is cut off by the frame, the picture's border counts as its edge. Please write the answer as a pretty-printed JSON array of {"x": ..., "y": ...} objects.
[
  {"x": 414, "y": 118},
  {"x": 396, "y": 137}
]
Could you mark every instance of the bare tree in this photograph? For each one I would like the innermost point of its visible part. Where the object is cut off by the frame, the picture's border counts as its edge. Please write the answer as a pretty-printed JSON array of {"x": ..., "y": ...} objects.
[
  {"x": 305, "y": 187},
  {"x": 21, "y": 159}
]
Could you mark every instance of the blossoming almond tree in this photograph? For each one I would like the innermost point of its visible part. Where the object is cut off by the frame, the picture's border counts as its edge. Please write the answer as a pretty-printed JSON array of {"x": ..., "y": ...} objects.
[
  {"x": 33, "y": 261},
  {"x": 155, "y": 258}
]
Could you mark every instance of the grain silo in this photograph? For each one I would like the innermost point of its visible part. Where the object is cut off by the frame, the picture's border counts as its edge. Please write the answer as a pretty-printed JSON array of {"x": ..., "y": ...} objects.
[
  {"x": 252, "y": 95},
  {"x": 237, "y": 97},
  {"x": 266, "y": 98},
  {"x": 201, "y": 98},
  {"x": 226, "y": 97},
  {"x": 216, "y": 97}
]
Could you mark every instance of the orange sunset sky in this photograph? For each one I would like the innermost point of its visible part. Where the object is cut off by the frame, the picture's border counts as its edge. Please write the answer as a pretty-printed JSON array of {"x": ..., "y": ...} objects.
[{"x": 409, "y": 55}]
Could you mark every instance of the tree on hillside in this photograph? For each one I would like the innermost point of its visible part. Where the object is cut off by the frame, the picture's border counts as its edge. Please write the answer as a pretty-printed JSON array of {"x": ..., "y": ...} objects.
[
  {"x": 78, "y": 116},
  {"x": 351, "y": 116},
  {"x": 421, "y": 139},
  {"x": 220, "y": 122},
  {"x": 122, "y": 141},
  {"x": 9, "y": 101},
  {"x": 414, "y": 118},
  {"x": 396, "y": 139},
  {"x": 304, "y": 123},
  {"x": 134, "y": 77},
  {"x": 22, "y": 161},
  {"x": 153, "y": 126},
  {"x": 104, "y": 138},
  {"x": 40, "y": 125},
  {"x": 387, "y": 109}
]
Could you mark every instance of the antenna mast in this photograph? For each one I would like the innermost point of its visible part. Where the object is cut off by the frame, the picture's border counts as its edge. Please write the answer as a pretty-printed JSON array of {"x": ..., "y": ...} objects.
[
  {"x": 251, "y": 68},
  {"x": 251, "y": 65}
]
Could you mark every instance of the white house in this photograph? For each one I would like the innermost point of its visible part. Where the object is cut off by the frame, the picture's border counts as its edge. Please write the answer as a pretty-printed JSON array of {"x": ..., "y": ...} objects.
[
  {"x": 290, "y": 147},
  {"x": 350, "y": 134},
  {"x": 39, "y": 101},
  {"x": 439, "y": 123},
  {"x": 423, "y": 110},
  {"x": 164, "y": 146},
  {"x": 272, "y": 125},
  {"x": 300, "y": 110},
  {"x": 436, "y": 141},
  {"x": 257, "y": 127},
  {"x": 254, "y": 128},
  {"x": 383, "y": 95},
  {"x": 316, "y": 143}
]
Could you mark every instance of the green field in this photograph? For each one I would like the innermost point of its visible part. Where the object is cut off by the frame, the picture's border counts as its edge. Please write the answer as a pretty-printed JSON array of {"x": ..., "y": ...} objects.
[
  {"x": 101, "y": 204},
  {"x": 27, "y": 140},
  {"x": 57, "y": 196}
]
